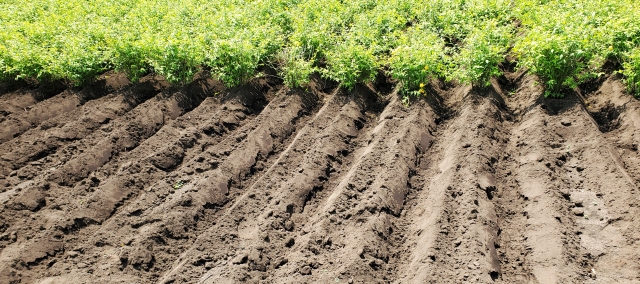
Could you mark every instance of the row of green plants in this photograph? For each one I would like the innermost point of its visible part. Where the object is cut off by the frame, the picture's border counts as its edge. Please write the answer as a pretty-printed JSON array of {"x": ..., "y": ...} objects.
[{"x": 563, "y": 42}]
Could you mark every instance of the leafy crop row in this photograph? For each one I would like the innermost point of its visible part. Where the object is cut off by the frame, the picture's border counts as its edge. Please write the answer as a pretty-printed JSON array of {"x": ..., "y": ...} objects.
[
  {"x": 564, "y": 42},
  {"x": 567, "y": 42}
]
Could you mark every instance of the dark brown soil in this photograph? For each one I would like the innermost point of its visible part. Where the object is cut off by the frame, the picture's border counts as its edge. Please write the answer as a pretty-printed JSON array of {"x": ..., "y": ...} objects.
[{"x": 145, "y": 183}]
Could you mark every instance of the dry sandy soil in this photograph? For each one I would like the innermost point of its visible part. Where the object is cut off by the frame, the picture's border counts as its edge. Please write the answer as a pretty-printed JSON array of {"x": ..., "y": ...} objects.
[{"x": 145, "y": 183}]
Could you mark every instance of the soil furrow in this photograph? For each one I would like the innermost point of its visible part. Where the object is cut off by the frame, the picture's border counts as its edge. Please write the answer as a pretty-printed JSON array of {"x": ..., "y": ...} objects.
[
  {"x": 60, "y": 171},
  {"x": 21, "y": 97},
  {"x": 606, "y": 202},
  {"x": 575, "y": 202},
  {"x": 34, "y": 189},
  {"x": 144, "y": 183},
  {"x": 310, "y": 161},
  {"x": 538, "y": 232},
  {"x": 160, "y": 110},
  {"x": 19, "y": 122},
  {"x": 47, "y": 107},
  {"x": 178, "y": 140},
  {"x": 454, "y": 220},
  {"x": 511, "y": 245},
  {"x": 618, "y": 117},
  {"x": 126, "y": 137},
  {"x": 165, "y": 217},
  {"x": 38, "y": 143},
  {"x": 350, "y": 228}
]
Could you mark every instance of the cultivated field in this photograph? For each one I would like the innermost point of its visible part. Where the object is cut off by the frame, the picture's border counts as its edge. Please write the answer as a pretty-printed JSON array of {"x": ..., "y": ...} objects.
[{"x": 440, "y": 141}]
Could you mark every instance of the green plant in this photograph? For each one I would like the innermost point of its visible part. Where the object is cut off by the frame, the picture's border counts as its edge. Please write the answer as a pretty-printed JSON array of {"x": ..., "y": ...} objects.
[
  {"x": 418, "y": 58},
  {"x": 294, "y": 69},
  {"x": 558, "y": 60},
  {"x": 131, "y": 59},
  {"x": 484, "y": 48},
  {"x": 176, "y": 62},
  {"x": 563, "y": 42},
  {"x": 631, "y": 71},
  {"x": 233, "y": 61},
  {"x": 350, "y": 64},
  {"x": 567, "y": 42}
]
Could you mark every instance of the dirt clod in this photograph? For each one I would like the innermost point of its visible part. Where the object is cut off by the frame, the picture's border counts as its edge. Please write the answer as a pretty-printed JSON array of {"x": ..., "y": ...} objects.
[
  {"x": 305, "y": 270},
  {"x": 578, "y": 211},
  {"x": 240, "y": 259}
]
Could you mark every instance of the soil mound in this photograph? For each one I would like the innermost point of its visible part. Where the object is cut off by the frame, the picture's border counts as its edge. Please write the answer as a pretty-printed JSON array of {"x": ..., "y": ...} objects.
[{"x": 147, "y": 183}]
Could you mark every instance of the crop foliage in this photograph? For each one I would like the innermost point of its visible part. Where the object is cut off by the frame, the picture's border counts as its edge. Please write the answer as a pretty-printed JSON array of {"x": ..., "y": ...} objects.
[{"x": 563, "y": 42}]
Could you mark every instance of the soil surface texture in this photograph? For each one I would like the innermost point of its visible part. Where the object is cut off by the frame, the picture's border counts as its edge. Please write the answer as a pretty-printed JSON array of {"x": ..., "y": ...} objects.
[{"x": 122, "y": 182}]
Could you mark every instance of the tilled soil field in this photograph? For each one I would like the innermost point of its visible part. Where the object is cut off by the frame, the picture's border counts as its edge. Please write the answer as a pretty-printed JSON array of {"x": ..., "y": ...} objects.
[{"x": 147, "y": 183}]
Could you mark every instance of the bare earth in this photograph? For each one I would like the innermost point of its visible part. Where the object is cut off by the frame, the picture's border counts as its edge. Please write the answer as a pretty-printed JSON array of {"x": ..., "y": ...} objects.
[{"x": 147, "y": 183}]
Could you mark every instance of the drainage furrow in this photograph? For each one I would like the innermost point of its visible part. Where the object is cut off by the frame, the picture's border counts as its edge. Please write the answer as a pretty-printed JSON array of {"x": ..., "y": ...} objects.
[
  {"x": 96, "y": 150},
  {"x": 576, "y": 199},
  {"x": 137, "y": 174},
  {"x": 38, "y": 143},
  {"x": 357, "y": 217},
  {"x": 272, "y": 221},
  {"x": 22, "y": 98},
  {"x": 149, "y": 162},
  {"x": 17, "y": 123},
  {"x": 455, "y": 231},
  {"x": 173, "y": 210},
  {"x": 64, "y": 104}
]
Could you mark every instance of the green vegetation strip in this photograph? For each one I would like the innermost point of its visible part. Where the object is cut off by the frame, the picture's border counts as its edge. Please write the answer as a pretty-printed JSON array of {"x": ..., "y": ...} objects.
[{"x": 564, "y": 42}]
